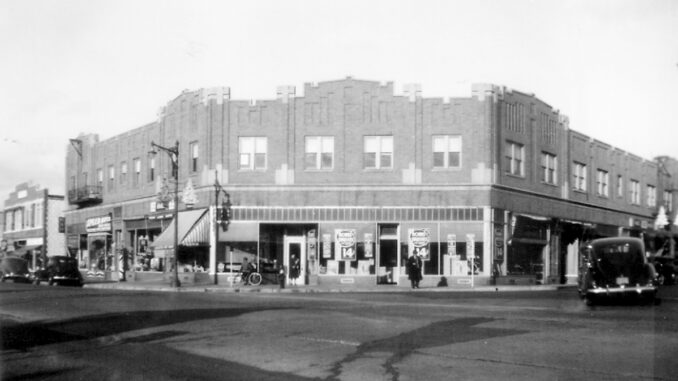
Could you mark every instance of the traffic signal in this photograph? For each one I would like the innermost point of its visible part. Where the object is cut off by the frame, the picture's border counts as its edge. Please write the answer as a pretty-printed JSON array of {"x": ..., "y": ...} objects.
[{"x": 62, "y": 224}]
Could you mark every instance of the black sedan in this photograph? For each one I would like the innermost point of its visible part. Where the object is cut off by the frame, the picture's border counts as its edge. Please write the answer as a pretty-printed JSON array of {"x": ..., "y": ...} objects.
[
  {"x": 616, "y": 267},
  {"x": 14, "y": 268},
  {"x": 60, "y": 270}
]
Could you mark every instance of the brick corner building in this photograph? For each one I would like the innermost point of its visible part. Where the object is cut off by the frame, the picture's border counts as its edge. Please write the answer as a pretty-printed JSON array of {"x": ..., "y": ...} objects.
[{"x": 353, "y": 178}]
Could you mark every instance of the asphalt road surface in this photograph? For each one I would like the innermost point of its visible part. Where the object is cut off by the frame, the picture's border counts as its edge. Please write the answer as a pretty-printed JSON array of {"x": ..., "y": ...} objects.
[{"x": 61, "y": 333}]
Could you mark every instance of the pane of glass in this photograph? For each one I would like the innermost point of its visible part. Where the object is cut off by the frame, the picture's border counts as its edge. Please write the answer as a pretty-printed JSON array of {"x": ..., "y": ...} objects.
[
  {"x": 439, "y": 144},
  {"x": 246, "y": 145},
  {"x": 260, "y": 145},
  {"x": 387, "y": 144},
  {"x": 370, "y": 159},
  {"x": 454, "y": 144},
  {"x": 311, "y": 144},
  {"x": 244, "y": 161},
  {"x": 439, "y": 159},
  {"x": 385, "y": 160},
  {"x": 455, "y": 159},
  {"x": 260, "y": 160},
  {"x": 328, "y": 144},
  {"x": 326, "y": 161},
  {"x": 371, "y": 144},
  {"x": 310, "y": 160}
]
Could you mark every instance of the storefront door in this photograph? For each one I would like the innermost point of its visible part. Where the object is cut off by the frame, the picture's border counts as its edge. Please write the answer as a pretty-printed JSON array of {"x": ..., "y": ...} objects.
[
  {"x": 295, "y": 246},
  {"x": 387, "y": 254}
]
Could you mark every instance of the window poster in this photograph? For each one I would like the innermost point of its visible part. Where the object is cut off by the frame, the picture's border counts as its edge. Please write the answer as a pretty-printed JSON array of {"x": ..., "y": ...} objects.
[
  {"x": 419, "y": 242},
  {"x": 452, "y": 244},
  {"x": 345, "y": 244},
  {"x": 369, "y": 240},
  {"x": 327, "y": 246}
]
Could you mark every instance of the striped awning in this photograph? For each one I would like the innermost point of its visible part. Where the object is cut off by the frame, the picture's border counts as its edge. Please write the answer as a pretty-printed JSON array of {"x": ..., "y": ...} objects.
[{"x": 193, "y": 230}]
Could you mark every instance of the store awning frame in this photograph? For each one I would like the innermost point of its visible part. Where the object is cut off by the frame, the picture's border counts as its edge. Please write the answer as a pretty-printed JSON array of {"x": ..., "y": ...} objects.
[{"x": 193, "y": 231}]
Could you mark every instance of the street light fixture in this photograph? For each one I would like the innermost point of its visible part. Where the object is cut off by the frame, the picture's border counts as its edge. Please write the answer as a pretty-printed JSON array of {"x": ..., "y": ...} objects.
[{"x": 173, "y": 153}]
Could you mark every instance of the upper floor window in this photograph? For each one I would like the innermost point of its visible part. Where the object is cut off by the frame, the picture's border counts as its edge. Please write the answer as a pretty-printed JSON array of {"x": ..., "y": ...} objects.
[
  {"x": 515, "y": 159},
  {"x": 137, "y": 171},
  {"x": 651, "y": 195},
  {"x": 123, "y": 172},
  {"x": 620, "y": 186},
  {"x": 378, "y": 152},
  {"x": 319, "y": 152},
  {"x": 602, "y": 181},
  {"x": 668, "y": 200},
  {"x": 549, "y": 168},
  {"x": 446, "y": 151},
  {"x": 100, "y": 177},
  {"x": 634, "y": 191},
  {"x": 193, "y": 149},
  {"x": 579, "y": 177},
  {"x": 151, "y": 169},
  {"x": 252, "y": 152},
  {"x": 111, "y": 176}
]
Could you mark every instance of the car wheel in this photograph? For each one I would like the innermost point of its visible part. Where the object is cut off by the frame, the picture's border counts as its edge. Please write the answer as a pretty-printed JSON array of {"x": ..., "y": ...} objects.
[
  {"x": 590, "y": 300},
  {"x": 50, "y": 281},
  {"x": 36, "y": 281}
]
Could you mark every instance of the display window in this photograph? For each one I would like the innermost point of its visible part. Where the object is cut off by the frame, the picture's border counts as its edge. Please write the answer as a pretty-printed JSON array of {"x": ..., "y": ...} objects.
[{"x": 347, "y": 249}]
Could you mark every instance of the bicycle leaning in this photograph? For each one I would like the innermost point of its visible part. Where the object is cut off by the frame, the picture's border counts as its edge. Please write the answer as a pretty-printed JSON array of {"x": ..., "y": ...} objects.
[{"x": 253, "y": 278}]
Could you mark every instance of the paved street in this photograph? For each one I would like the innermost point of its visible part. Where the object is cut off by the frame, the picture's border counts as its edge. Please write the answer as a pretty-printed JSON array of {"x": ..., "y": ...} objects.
[{"x": 60, "y": 333}]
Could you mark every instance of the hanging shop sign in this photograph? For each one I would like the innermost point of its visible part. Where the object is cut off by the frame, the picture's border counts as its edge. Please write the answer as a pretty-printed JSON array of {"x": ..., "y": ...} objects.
[
  {"x": 345, "y": 241},
  {"x": 419, "y": 242},
  {"x": 100, "y": 224}
]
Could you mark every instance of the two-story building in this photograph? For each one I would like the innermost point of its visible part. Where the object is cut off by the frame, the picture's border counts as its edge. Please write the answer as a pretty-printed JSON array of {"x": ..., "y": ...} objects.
[
  {"x": 354, "y": 178},
  {"x": 31, "y": 223}
]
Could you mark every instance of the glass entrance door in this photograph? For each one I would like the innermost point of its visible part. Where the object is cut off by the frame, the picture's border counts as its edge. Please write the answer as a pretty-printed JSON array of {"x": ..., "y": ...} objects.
[
  {"x": 295, "y": 247},
  {"x": 388, "y": 249}
]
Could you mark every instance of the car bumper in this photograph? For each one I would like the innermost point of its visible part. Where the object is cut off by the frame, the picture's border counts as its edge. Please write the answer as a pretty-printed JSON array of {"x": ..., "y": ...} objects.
[{"x": 631, "y": 290}]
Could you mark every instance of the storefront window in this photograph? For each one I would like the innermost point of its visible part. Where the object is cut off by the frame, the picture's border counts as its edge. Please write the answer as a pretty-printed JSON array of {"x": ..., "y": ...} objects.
[{"x": 347, "y": 249}]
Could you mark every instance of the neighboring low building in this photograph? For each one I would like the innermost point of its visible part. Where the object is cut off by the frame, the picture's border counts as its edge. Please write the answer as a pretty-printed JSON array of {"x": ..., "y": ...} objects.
[
  {"x": 31, "y": 223},
  {"x": 353, "y": 178}
]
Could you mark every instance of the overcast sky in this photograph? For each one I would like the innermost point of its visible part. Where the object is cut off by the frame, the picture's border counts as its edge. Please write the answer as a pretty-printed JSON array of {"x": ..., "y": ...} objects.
[{"x": 107, "y": 66}]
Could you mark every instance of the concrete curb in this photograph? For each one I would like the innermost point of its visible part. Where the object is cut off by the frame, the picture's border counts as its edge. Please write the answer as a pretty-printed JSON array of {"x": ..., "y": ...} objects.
[{"x": 312, "y": 289}]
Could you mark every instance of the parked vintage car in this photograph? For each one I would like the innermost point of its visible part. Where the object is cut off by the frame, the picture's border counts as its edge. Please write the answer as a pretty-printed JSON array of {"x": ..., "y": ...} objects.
[
  {"x": 60, "y": 270},
  {"x": 14, "y": 268},
  {"x": 616, "y": 267}
]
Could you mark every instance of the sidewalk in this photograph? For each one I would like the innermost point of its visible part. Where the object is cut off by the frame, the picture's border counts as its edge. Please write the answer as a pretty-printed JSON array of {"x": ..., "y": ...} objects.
[{"x": 321, "y": 288}]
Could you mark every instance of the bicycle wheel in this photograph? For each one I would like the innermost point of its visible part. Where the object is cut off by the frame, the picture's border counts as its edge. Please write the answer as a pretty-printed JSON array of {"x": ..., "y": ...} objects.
[{"x": 255, "y": 279}]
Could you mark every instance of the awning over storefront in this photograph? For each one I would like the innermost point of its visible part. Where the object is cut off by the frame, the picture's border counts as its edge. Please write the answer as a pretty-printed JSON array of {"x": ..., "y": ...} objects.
[{"x": 193, "y": 230}]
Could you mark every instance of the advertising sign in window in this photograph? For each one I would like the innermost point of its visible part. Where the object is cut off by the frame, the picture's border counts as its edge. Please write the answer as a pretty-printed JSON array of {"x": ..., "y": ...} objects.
[
  {"x": 345, "y": 241},
  {"x": 419, "y": 243}
]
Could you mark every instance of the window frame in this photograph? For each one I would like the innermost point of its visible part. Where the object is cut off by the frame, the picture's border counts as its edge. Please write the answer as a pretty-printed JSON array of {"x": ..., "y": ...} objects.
[
  {"x": 515, "y": 164},
  {"x": 549, "y": 165},
  {"x": 193, "y": 156},
  {"x": 447, "y": 152},
  {"x": 380, "y": 154},
  {"x": 317, "y": 158},
  {"x": 580, "y": 177},
  {"x": 602, "y": 182},
  {"x": 252, "y": 154}
]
